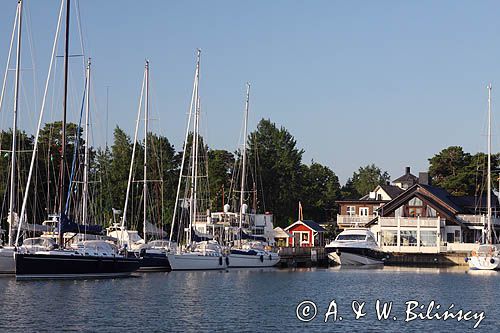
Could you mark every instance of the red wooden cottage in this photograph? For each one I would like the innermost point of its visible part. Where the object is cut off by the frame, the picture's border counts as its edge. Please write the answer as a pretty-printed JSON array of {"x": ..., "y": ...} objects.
[{"x": 306, "y": 233}]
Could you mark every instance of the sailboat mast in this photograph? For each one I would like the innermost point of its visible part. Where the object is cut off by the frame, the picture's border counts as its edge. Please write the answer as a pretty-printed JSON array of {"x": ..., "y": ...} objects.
[
  {"x": 86, "y": 158},
  {"x": 488, "y": 235},
  {"x": 244, "y": 164},
  {"x": 146, "y": 116},
  {"x": 14, "y": 126},
  {"x": 63, "y": 130},
  {"x": 188, "y": 126},
  {"x": 194, "y": 152}
]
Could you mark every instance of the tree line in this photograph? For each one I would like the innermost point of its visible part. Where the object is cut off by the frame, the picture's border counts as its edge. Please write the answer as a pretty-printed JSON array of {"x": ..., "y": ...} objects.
[{"x": 277, "y": 181}]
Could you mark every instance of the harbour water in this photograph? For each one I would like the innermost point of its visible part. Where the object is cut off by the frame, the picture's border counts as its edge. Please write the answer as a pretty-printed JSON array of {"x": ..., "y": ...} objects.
[{"x": 249, "y": 301}]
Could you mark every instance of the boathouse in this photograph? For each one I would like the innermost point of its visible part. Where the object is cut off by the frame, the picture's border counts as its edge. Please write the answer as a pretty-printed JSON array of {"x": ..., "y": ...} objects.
[{"x": 306, "y": 233}]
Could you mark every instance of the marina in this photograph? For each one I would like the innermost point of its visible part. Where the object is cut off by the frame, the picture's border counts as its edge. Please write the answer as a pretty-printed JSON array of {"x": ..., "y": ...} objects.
[{"x": 179, "y": 205}]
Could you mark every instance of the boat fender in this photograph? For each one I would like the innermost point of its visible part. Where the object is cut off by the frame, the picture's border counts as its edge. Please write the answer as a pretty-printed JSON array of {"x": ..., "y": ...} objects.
[
  {"x": 270, "y": 257},
  {"x": 220, "y": 260},
  {"x": 261, "y": 258},
  {"x": 492, "y": 260},
  {"x": 227, "y": 261}
]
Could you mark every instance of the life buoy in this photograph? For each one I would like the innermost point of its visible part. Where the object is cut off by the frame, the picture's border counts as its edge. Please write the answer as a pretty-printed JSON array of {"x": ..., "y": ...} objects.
[
  {"x": 227, "y": 261},
  {"x": 261, "y": 258},
  {"x": 220, "y": 260}
]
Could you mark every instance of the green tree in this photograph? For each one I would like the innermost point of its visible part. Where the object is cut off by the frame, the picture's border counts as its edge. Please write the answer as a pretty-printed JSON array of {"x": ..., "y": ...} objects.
[
  {"x": 320, "y": 191},
  {"x": 459, "y": 172},
  {"x": 220, "y": 169},
  {"x": 363, "y": 181},
  {"x": 273, "y": 152}
]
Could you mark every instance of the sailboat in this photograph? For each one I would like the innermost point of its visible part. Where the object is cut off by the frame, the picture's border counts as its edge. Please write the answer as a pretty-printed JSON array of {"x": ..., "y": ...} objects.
[
  {"x": 487, "y": 255},
  {"x": 199, "y": 251},
  {"x": 86, "y": 259},
  {"x": 153, "y": 255},
  {"x": 7, "y": 264},
  {"x": 251, "y": 252}
]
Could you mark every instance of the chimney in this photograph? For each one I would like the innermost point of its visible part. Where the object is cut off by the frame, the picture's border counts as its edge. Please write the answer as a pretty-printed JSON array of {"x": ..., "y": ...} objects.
[
  {"x": 407, "y": 170},
  {"x": 423, "y": 178}
]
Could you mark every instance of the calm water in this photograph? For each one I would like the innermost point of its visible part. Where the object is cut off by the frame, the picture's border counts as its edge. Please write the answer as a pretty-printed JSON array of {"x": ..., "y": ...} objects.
[{"x": 246, "y": 300}]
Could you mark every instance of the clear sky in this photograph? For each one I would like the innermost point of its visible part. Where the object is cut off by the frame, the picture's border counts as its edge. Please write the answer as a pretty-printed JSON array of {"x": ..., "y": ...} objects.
[{"x": 356, "y": 82}]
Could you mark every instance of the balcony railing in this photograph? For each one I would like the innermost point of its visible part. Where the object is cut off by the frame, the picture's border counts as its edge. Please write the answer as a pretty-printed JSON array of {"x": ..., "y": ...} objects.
[
  {"x": 351, "y": 221},
  {"x": 478, "y": 219},
  {"x": 423, "y": 222}
]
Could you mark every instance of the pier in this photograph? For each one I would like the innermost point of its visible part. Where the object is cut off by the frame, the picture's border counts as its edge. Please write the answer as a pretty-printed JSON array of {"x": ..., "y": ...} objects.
[{"x": 303, "y": 256}]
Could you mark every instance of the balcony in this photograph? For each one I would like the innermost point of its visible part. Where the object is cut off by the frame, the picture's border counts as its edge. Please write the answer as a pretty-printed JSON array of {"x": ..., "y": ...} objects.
[
  {"x": 352, "y": 221},
  {"x": 422, "y": 222},
  {"x": 478, "y": 220}
]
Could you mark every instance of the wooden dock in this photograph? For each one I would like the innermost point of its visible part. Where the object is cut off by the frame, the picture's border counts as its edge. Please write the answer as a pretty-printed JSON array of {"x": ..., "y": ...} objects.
[{"x": 303, "y": 256}]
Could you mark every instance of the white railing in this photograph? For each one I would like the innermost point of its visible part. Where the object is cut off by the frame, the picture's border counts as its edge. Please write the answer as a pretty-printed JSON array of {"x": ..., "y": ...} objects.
[
  {"x": 345, "y": 221},
  {"x": 461, "y": 247},
  {"x": 478, "y": 219},
  {"x": 410, "y": 222}
]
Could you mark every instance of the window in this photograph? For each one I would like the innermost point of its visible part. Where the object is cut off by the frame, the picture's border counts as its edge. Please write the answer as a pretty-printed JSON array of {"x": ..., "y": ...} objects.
[
  {"x": 428, "y": 238},
  {"x": 375, "y": 213},
  {"x": 363, "y": 211},
  {"x": 304, "y": 238},
  {"x": 351, "y": 210},
  {"x": 457, "y": 236},
  {"x": 390, "y": 238},
  {"x": 409, "y": 237},
  {"x": 351, "y": 237},
  {"x": 415, "y": 207},
  {"x": 431, "y": 212}
]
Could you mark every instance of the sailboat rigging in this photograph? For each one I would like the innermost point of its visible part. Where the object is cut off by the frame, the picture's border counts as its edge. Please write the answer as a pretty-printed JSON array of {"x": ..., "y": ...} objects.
[{"x": 487, "y": 256}]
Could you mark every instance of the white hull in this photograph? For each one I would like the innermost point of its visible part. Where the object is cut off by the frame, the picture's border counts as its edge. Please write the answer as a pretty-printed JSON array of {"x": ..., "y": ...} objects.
[
  {"x": 7, "y": 261},
  {"x": 484, "y": 262},
  {"x": 252, "y": 260},
  {"x": 347, "y": 258},
  {"x": 193, "y": 261}
]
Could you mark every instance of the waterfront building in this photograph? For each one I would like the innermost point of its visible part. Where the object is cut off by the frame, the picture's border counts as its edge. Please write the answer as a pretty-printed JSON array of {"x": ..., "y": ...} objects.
[
  {"x": 420, "y": 219},
  {"x": 306, "y": 233}
]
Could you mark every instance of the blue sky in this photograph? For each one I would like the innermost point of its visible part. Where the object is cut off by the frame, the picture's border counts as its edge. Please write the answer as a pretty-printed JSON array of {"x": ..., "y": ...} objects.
[{"x": 356, "y": 82}]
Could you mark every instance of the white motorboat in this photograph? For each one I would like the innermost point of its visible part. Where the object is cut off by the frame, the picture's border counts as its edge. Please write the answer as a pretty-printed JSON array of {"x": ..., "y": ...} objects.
[{"x": 355, "y": 246}]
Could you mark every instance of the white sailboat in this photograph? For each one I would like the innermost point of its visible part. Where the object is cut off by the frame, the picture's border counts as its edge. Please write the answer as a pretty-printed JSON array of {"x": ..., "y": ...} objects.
[
  {"x": 248, "y": 253},
  {"x": 153, "y": 255},
  {"x": 487, "y": 256},
  {"x": 195, "y": 254},
  {"x": 7, "y": 261}
]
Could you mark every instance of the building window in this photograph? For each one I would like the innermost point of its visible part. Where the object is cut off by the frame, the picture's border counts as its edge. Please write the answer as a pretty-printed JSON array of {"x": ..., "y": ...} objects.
[
  {"x": 415, "y": 207},
  {"x": 457, "y": 236},
  {"x": 428, "y": 238},
  {"x": 351, "y": 210},
  {"x": 431, "y": 212},
  {"x": 389, "y": 238},
  {"x": 363, "y": 211},
  {"x": 375, "y": 212},
  {"x": 409, "y": 237},
  {"x": 304, "y": 238}
]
